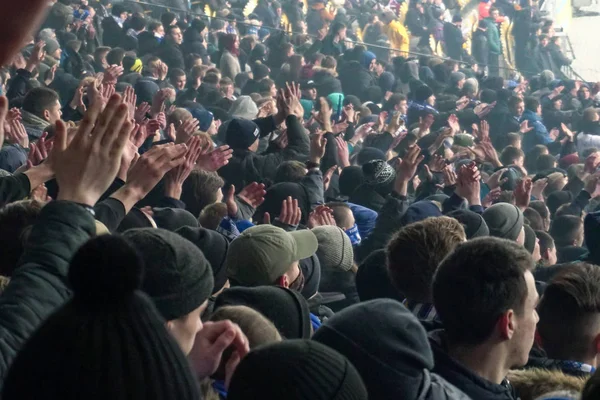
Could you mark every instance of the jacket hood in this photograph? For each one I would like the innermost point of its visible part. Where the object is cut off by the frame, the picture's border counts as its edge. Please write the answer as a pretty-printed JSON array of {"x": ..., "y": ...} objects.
[
  {"x": 395, "y": 366},
  {"x": 409, "y": 71},
  {"x": 461, "y": 377},
  {"x": 535, "y": 382}
]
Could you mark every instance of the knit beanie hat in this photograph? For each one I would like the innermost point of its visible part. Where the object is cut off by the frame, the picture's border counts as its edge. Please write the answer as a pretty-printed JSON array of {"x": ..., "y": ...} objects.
[
  {"x": 350, "y": 178},
  {"x": 591, "y": 233},
  {"x": 244, "y": 107},
  {"x": 395, "y": 365},
  {"x": 530, "y": 239},
  {"x": 373, "y": 280},
  {"x": 311, "y": 269},
  {"x": 241, "y": 133},
  {"x": 51, "y": 46},
  {"x": 178, "y": 278},
  {"x": 335, "y": 248},
  {"x": 419, "y": 211},
  {"x": 107, "y": 342},
  {"x": 337, "y": 102},
  {"x": 456, "y": 77},
  {"x": 145, "y": 89},
  {"x": 296, "y": 370},
  {"x": 172, "y": 219},
  {"x": 368, "y": 154},
  {"x": 463, "y": 139},
  {"x": 285, "y": 308},
  {"x": 386, "y": 81},
  {"x": 367, "y": 59},
  {"x": 422, "y": 93},
  {"x": 204, "y": 117},
  {"x": 260, "y": 71},
  {"x": 504, "y": 220},
  {"x": 473, "y": 223},
  {"x": 378, "y": 172},
  {"x": 214, "y": 246}
]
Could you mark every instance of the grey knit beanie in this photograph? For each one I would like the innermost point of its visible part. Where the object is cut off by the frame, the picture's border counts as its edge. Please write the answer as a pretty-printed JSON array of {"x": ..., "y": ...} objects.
[{"x": 335, "y": 248}]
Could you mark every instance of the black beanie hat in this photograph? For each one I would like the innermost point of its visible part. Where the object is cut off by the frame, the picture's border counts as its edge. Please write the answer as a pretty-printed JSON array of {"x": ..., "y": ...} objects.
[
  {"x": 350, "y": 178},
  {"x": 285, "y": 308},
  {"x": 422, "y": 93},
  {"x": 369, "y": 154},
  {"x": 241, "y": 133},
  {"x": 395, "y": 365},
  {"x": 107, "y": 342},
  {"x": 473, "y": 223},
  {"x": 178, "y": 278},
  {"x": 214, "y": 246},
  {"x": 172, "y": 219},
  {"x": 378, "y": 173},
  {"x": 504, "y": 220},
  {"x": 373, "y": 280},
  {"x": 296, "y": 370},
  {"x": 557, "y": 199}
]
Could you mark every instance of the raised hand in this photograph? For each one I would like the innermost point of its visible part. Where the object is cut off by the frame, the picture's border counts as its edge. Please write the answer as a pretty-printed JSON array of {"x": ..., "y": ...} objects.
[
  {"x": 321, "y": 216},
  {"x": 523, "y": 193},
  {"x": 174, "y": 178},
  {"x": 537, "y": 189},
  {"x": 318, "y": 144},
  {"x": 88, "y": 165},
  {"x": 253, "y": 195},
  {"x": 453, "y": 123},
  {"x": 111, "y": 74},
  {"x": 450, "y": 177},
  {"x": 342, "y": 151},
  {"x": 141, "y": 112},
  {"x": 524, "y": 127},
  {"x": 17, "y": 134},
  {"x": 468, "y": 184},
  {"x": 214, "y": 159},
  {"x": 186, "y": 130},
  {"x": 327, "y": 177},
  {"x": 130, "y": 99},
  {"x": 290, "y": 212},
  {"x": 407, "y": 168},
  {"x": 491, "y": 197},
  {"x": 37, "y": 55}
]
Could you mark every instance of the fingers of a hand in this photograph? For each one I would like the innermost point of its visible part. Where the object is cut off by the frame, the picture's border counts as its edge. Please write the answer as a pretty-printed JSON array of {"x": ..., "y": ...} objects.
[
  {"x": 60, "y": 136},
  {"x": 116, "y": 127},
  {"x": 267, "y": 219}
]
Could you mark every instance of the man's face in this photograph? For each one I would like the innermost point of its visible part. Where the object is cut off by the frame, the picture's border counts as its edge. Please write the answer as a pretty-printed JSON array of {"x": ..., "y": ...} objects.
[
  {"x": 520, "y": 108},
  {"x": 273, "y": 91},
  {"x": 585, "y": 93},
  {"x": 294, "y": 277},
  {"x": 372, "y": 65},
  {"x": 54, "y": 113},
  {"x": 525, "y": 324},
  {"x": 461, "y": 83},
  {"x": 227, "y": 91},
  {"x": 310, "y": 94},
  {"x": 495, "y": 14},
  {"x": 551, "y": 256},
  {"x": 558, "y": 104},
  {"x": 180, "y": 82},
  {"x": 176, "y": 35},
  {"x": 431, "y": 100},
  {"x": 378, "y": 69},
  {"x": 342, "y": 34},
  {"x": 184, "y": 329},
  {"x": 403, "y": 107},
  {"x": 544, "y": 42},
  {"x": 160, "y": 31},
  {"x": 536, "y": 251},
  {"x": 212, "y": 130}
]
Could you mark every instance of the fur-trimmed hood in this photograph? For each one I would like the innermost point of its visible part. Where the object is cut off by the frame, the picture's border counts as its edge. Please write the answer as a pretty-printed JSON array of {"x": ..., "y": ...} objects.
[{"x": 535, "y": 382}]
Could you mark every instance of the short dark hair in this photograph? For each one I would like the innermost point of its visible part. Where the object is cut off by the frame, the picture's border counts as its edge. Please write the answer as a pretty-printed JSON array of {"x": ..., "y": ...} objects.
[
  {"x": 533, "y": 155},
  {"x": 428, "y": 242},
  {"x": 569, "y": 307},
  {"x": 115, "y": 56},
  {"x": 153, "y": 25},
  {"x": 329, "y": 62},
  {"x": 137, "y": 22},
  {"x": 211, "y": 78},
  {"x": 531, "y": 103},
  {"x": 176, "y": 73},
  {"x": 565, "y": 229},
  {"x": 265, "y": 85},
  {"x": 510, "y": 154},
  {"x": 38, "y": 100},
  {"x": 169, "y": 29},
  {"x": 534, "y": 218},
  {"x": 541, "y": 208},
  {"x": 478, "y": 282},
  {"x": 394, "y": 99},
  {"x": 513, "y": 101},
  {"x": 290, "y": 171},
  {"x": 546, "y": 241},
  {"x": 545, "y": 161},
  {"x": 512, "y": 138},
  {"x": 199, "y": 190}
]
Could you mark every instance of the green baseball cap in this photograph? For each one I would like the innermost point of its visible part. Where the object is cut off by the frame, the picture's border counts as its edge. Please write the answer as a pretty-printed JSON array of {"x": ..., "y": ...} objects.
[{"x": 263, "y": 253}]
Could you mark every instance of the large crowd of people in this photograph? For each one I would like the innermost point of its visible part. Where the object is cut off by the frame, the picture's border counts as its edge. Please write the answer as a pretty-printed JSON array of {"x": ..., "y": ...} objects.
[{"x": 232, "y": 206}]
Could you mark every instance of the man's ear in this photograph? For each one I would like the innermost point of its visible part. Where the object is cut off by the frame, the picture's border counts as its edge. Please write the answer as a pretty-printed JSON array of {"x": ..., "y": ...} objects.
[
  {"x": 47, "y": 115},
  {"x": 506, "y": 325},
  {"x": 283, "y": 281},
  {"x": 545, "y": 254}
]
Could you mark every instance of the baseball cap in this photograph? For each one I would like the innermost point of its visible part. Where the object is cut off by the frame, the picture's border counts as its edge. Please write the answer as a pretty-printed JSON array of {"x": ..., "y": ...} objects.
[
  {"x": 263, "y": 253},
  {"x": 308, "y": 84}
]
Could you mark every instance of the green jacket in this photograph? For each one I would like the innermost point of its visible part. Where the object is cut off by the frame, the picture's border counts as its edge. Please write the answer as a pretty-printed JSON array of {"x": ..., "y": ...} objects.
[
  {"x": 39, "y": 285},
  {"x": 493, "y": 35}
]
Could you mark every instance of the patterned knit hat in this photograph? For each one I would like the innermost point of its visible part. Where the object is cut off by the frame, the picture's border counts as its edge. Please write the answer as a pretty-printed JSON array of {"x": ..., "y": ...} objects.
[
  {"x": 107, "y": 342},
  {"x": 296, "y": 370},
  {"x": 378, "y": 172}
]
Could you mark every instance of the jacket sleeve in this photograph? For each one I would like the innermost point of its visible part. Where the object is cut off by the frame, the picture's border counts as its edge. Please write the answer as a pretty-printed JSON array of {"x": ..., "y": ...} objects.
[
  {"x": 13, "y": 188},
  {"x": 330, "y": 158},
  {"x": 297, "y": 149},
  {"x": 38, "y": 286},
  {"x": 388, "y": 222},
  {"x": 313, "y": 182},
  {"x": 110, "y": 212},
  {"x": 18, "y": 85}
]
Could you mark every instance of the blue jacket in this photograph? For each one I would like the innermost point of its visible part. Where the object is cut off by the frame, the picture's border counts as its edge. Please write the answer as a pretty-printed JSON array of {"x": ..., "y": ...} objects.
[
  {"x": 414, "y": 112},
  {"x": 539, "y": 134}
]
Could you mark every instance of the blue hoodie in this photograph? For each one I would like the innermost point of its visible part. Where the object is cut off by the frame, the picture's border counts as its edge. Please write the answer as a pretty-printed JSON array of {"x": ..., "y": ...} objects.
[{"x": 539, "y": 134}]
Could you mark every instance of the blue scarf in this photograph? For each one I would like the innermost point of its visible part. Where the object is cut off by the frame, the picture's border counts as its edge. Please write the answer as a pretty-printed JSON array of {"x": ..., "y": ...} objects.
[
  {"x": 354, "y": 235},
  {"x": 219, "y": 387}
]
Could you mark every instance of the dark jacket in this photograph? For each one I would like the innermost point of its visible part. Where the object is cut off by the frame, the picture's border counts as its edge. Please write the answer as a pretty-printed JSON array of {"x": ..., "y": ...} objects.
[
  {"x": 13, "y": 188},
  {"x": 355, "y": 79},
  {"x": 480, "y": 48},
  {"x": 501, "y": 122},
  {"x": 246, "y": 166},
  {"x": 113, "y": 34},
  {"x": 38, "y": 286},
  {"x": 326, "y": 83},
  {"x": 331, "y": 48},
  {"x": 465, "y": 380},
  {"x": 544, "y": 59},
  {"x": 558, "y": 56},
  {"x": 417, "y": 25},
  {"x": 454, "y": 40},
  {"x": 172, "y": 55}
]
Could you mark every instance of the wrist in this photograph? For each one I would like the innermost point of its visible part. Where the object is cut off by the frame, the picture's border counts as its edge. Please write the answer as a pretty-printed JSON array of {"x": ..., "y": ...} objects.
[
  {"x": 401, "y": 187},
  {"x": 315, "y": 160},
  {"x": 83, "y": 199},
  {"x": 30, "y": 66},
  {"x": 174, "y": 191}
]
